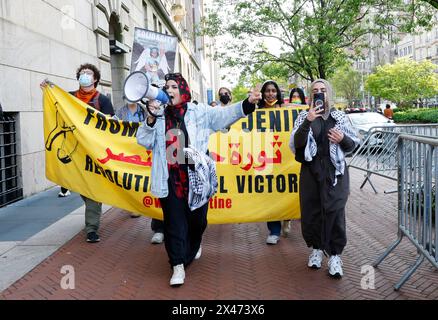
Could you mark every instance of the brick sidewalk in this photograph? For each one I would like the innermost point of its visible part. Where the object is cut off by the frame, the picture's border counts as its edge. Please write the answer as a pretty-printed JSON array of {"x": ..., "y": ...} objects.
[{"x": 236, "y": 263}]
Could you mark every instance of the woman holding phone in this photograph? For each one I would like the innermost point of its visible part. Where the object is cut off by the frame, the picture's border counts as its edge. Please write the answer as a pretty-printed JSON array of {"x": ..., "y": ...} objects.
[{"x": 320, "y": 139}]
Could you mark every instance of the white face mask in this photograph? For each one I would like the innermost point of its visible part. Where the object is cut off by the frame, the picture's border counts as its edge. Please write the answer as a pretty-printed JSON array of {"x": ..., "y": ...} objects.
[{"x": 85, "y": 80}]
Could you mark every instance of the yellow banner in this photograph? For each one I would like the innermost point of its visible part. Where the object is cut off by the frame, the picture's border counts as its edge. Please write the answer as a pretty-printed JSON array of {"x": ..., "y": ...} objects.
[{"x": 98, "y": 157}]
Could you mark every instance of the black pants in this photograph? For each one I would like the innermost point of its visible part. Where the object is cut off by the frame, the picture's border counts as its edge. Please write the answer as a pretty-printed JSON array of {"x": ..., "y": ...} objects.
[
  {"x": 157, "y": 226},
  {"x": 183, "y": 229},
  {"x": 323, "y": 212}
]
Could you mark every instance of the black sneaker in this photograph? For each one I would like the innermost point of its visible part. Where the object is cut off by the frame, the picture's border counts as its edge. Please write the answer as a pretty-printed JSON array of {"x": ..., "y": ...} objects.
[
  {"x": 63, "y": 195},
  {"x": 93, "y": 237}
]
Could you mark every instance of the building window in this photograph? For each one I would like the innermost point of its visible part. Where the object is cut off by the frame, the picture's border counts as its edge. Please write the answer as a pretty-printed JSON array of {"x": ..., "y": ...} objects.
[
  {"x": 145, "y": 13},
  {"x": 10, "y": 186},
  {"x": 410, "y": 49},
  {"x": 155, "y": 23},
  {"x": 160, "y": 27},
  {"x": 405, "y": 51}
]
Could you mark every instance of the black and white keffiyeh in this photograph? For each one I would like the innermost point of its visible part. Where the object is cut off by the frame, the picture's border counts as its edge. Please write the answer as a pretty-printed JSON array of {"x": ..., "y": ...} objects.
[
  {"x": 337, "y": 156},
  {"x": 203, "y": 180}
]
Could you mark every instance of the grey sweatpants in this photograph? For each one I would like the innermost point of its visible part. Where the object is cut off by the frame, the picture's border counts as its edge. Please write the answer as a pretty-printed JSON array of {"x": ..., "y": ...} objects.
[{"x": 93, "y": 211}]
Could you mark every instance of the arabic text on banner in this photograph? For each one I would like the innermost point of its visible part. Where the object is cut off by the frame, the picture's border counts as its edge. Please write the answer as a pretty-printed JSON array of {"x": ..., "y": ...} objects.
[{"x": 98, "y": 157}]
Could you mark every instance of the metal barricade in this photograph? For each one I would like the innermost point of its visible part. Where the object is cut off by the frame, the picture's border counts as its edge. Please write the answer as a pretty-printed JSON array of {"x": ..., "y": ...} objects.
[
  {"x": 427, "y": 130},
  {"x": 377, "y": 154},
  {"x": 417, "y": 200}
]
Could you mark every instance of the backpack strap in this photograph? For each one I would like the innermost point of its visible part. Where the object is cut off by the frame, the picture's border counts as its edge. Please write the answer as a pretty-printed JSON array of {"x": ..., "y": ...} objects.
[{"x": 95, "y": 101}]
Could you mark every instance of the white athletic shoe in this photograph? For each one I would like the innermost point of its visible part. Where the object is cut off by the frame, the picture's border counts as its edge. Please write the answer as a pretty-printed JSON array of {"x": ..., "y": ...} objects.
[
  {"x": 199, "y": 253},
  {"x": 178, "y": 275},
  {"x": 335, "y": 267},
  {"x": 157, "y": 238},
  {"x": 285, "y": 228},
  {"x": 272, "y": 239},
  {"x": 315, "y": 259}
]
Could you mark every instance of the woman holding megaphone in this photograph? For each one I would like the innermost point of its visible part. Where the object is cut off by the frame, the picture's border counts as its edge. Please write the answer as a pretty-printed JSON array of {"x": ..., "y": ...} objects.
[
  {"x": 320, "y": 139},
  {"x": 182, "y": 131}
]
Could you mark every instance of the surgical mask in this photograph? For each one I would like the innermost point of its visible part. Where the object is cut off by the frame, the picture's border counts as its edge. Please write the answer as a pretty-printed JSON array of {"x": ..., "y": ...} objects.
[
  {"x": 85, "y": 80},
  {"x": 225, "y": 98},
  {"x": 270, "y": 104}
]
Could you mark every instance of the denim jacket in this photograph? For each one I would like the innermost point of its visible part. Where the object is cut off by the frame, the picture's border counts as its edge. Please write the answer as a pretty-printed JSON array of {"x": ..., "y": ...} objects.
[
  {"x": 124, "y": 112},
  {"x": 201, "y": 121}
]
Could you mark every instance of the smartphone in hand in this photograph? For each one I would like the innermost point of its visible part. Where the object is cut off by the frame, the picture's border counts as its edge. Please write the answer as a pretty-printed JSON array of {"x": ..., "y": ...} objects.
[{"x": 319, "y": 101}]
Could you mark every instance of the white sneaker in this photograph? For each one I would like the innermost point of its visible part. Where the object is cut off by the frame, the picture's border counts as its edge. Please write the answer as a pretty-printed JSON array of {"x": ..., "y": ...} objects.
[
  {"x": 272, "y": 239},
  {"x": 157, "y": 238},
  {"x": 178, "y": 275},
  {"x": 62, "y": 195},
  {"x": 199, "y": 253},
  {"x": 335, "y": 267},
  {"x": 315, "y": 259},
  {"x": 285, "y": 228}
]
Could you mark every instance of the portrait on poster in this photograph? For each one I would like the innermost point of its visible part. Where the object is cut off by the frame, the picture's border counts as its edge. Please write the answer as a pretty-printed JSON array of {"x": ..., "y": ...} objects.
[{"x": 153, "y": 53}]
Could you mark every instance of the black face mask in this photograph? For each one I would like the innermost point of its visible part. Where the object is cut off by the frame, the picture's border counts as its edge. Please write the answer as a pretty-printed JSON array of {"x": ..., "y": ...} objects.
[{"x": 224, "y": 98}]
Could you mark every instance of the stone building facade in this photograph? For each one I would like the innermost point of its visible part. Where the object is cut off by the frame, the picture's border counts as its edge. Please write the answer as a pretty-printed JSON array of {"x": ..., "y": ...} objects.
[{"x": 50, "y": 38}]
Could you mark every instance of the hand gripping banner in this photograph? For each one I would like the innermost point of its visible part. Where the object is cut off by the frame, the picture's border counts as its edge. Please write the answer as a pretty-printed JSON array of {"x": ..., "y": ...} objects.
[{"x": 97, "y": 156}]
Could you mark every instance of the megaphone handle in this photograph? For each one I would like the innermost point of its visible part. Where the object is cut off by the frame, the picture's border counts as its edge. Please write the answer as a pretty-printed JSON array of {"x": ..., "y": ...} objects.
[{"x": 152, "y": 113}]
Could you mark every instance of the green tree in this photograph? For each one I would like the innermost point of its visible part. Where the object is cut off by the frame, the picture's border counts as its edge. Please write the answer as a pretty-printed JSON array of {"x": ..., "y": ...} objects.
[
  {"x": 433, "y": 3},
  {"x": 240, "y": 92},
  {"x": 270, "y": 71},
  {"x": 404, "y": 81},
  {"x": 314, "y": 36},
  {"x": 347, "y": 82}
]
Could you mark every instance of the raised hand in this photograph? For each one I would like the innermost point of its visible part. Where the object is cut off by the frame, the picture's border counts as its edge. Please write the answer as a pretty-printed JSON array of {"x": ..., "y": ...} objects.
[{"x": 255, "y": 95}]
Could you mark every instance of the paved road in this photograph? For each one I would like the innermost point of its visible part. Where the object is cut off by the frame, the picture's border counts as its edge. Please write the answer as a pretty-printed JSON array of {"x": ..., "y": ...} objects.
[{"x": 236, "y": 263}]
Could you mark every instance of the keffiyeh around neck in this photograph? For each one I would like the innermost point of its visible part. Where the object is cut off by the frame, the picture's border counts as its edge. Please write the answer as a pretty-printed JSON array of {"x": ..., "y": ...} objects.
[{"x": 337, "y": 156}]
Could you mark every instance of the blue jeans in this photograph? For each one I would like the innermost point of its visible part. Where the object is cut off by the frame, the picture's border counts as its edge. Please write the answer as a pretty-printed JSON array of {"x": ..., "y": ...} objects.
[{"x": 274, "y": 228}]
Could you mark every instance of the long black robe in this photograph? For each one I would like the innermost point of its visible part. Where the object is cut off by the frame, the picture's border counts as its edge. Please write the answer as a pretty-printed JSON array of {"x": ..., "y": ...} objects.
[{"x": 322, "y": 202}]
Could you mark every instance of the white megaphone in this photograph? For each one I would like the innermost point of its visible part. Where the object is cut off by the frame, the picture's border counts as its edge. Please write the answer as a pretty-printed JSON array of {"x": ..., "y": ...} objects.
[{"x": 137, "y": 87}]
